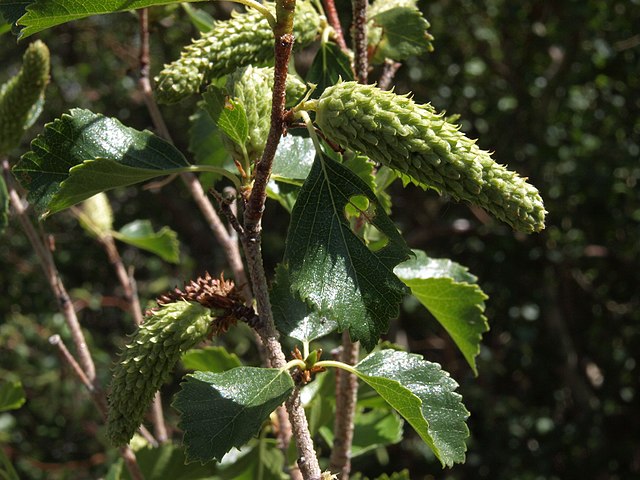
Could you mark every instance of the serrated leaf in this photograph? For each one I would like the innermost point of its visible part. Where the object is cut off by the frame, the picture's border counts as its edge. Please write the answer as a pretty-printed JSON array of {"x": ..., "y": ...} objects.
[
  {"x": 373, "y": 429},
  {"x": 83, "y": 153},
  {"x": 220, "y": 411},
  {"x": 140, "y": 233},
  {"x": 210, "y": 359},
  {"x": 330, "y": 267},
  {"x": 452, "y": 296},
  {"x": 294, "y": 317},
  {"x": 424, "y": 395},
  {"x": 227, "y": 113},
  {"x": 39, "y": 15},
  {"x": 293, "y": 160},
  {"x": 329, "y": 65},
  {"x": 404, "y": 34},
  {"x": 12, "y": 396},
  {"x": 4, "y": 205}
]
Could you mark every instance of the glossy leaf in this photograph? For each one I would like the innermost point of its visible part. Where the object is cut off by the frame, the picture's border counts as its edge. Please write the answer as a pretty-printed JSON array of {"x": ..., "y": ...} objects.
[
  {"x": 37, "y": 15},
  {"x": 12, "y": 396},
  {"x": 4, "y": 205},
  {"x": 452, "y": 296},
  {"x": 83, "y": 153},
  {"x": 224, "y": 410},
  {"x": 424, "y": 395},
  {"x": 140, "y": 233},
  {"x": 329, "y": 65},
  {"x": 294, "y": 317},
  {"x": 210, "y": 359},
  {"x": 330, "y": 268}
]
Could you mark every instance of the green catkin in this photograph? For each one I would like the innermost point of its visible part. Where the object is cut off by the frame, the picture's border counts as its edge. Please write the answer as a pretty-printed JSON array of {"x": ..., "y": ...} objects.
[
  {"x": 420, "y": 144},
  {"x": 147, "y": 362},
  {"x": 253, "y": 87},
  {"x": 19, "y": 95},
  {"x": 245, "y": 39}
]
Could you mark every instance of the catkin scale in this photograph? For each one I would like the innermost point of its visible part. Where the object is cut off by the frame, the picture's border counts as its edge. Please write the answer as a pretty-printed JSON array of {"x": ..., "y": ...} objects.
[
  {"x": 148, "y": 360},
  {"x": 21, "y": 93},
  {"x": 426, "y": 149},
  {"x": 245, "y": 39}
]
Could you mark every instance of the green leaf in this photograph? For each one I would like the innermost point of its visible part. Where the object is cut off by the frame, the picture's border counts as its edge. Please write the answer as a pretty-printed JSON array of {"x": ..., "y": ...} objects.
[
  {"x": 373, "y": 429},
  {"x": 163, "y": 243},
  {"x": 210, "y": 359},
  {"x": 12, "y": 10},
  {"x": 329, "y": 65},
  {"x": 452, "y": 296},
  {"x": 294, "y": 317},
  {"x": 200, "y": 19},
  {"x": 4, "y": 205},
  {"x": 424, "y": 395},
  {"x": 83, "y": 153},
  {"x": 293, "y": 160},
  {"x": 42, "y": 14},
  {"x": 404, "y": 34},
  {"x": 330, "y": 267},
  {"x": 12, "y": 396},
  {"x": 227, "y": 113},
  {"x": 224, "y": 410}
]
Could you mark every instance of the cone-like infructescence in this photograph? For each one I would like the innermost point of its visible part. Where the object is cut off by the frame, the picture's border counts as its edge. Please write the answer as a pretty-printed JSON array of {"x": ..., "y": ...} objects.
[
  {"x": 253, "y": 87},
  {"x": 19, "y": 95},
  {"x": 420, "y": 144},
  {"x": 148, "y": 361},
  {"x": 245, "y": 39}
]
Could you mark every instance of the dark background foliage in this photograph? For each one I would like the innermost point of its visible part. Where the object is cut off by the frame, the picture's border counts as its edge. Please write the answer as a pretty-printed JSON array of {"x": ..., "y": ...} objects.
[{"x": 551, "y": 87}]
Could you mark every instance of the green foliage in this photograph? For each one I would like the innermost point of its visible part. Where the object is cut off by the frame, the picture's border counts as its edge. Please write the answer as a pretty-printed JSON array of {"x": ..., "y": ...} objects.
[
  {"x": 100, "y": 153},
  {"x": 224, "y": 410},
  {"x": 33, "y": 16},
  {"x": 452, "y": 296},
  {"x": 330, "y": 267},
  {"x": 424, "y": 395},
  {"x": 140, "y": 233},
  {"x": 329, "y": 65},
  {"x": 12, "y": 395},
  {"x": 397, "y": 32},
  {"x": 210, "y": 359}
]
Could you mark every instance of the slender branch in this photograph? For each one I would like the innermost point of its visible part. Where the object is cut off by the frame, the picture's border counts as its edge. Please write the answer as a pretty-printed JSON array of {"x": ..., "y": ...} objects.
[
  {"x": 334, "y": 21},
  {"x": 115, "y": 259},
  {"x": 228, "y": 243},
  {"x": 389, "y": 71},
  {"x": 307, "y": 459},
  {"x": 53, "y": 277},
  {"x": 359, "y": 33},
  {"x": 346, "y": 398}
]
